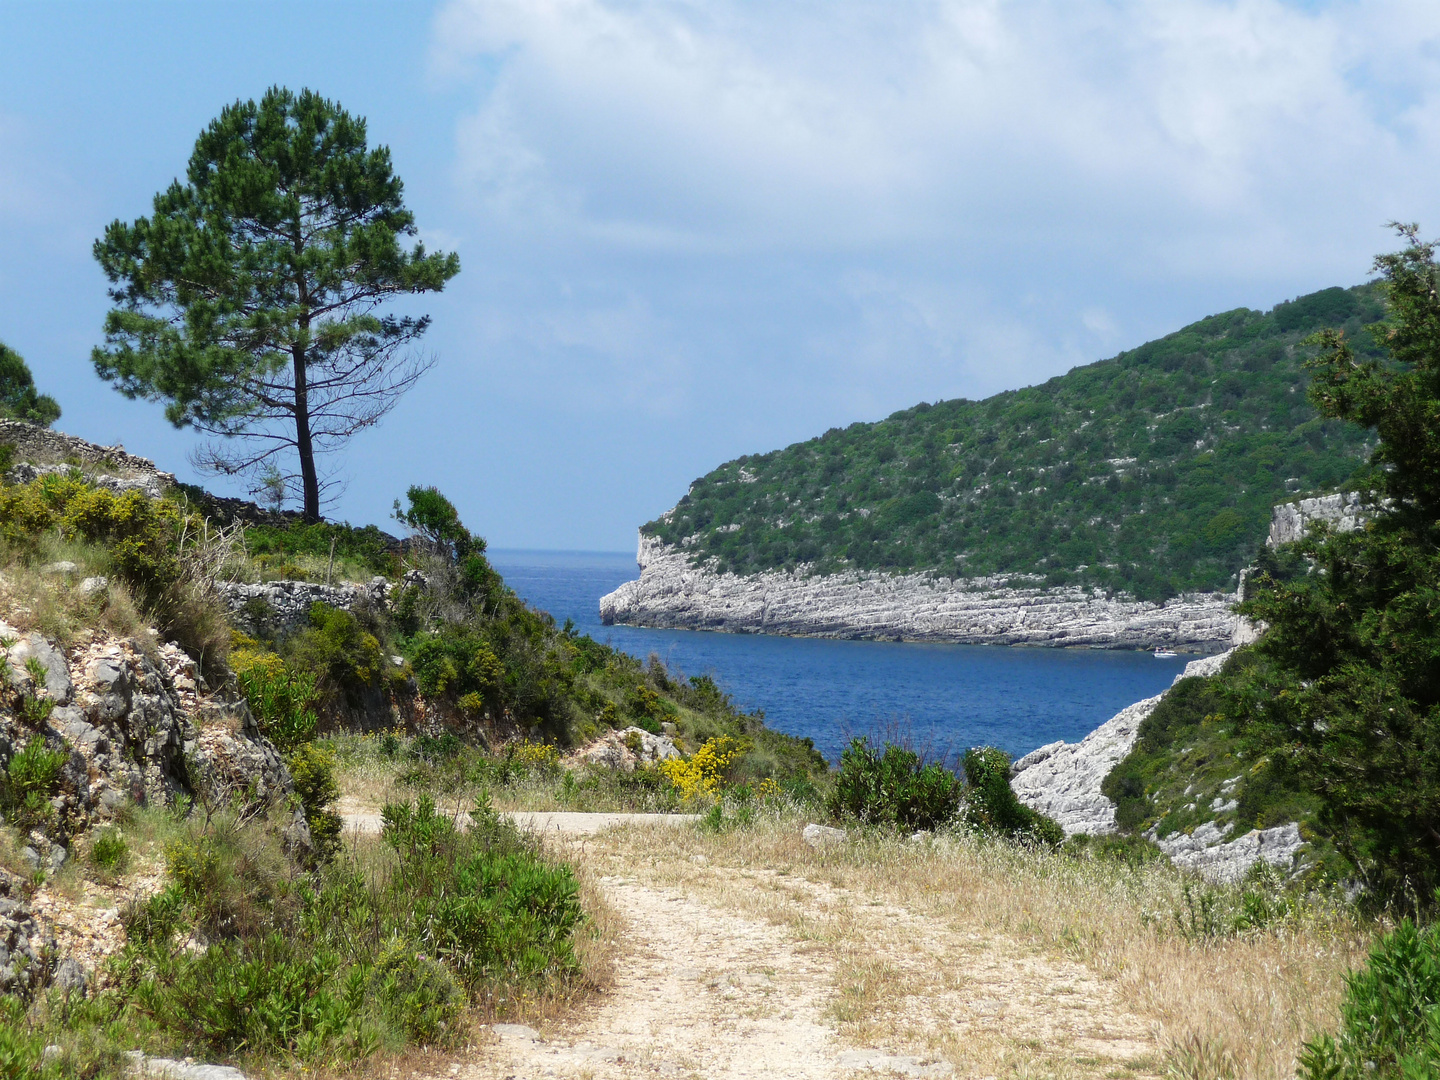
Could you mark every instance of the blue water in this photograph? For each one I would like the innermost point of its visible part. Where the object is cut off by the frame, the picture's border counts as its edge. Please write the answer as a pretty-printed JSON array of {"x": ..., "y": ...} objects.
[{"x": 944, "y": 698}]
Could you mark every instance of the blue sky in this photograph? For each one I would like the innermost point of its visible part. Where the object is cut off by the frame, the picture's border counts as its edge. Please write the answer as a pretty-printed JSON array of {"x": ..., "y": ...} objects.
[{"x": 695, "y": 230}]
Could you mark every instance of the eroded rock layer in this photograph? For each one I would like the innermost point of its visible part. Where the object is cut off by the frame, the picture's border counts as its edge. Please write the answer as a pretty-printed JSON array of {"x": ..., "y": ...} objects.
[{"x": 671, "y": 593}]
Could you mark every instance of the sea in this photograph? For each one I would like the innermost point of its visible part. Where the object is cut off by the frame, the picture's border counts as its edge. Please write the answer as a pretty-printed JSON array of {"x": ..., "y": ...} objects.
[{"x": 940, "y": 699}]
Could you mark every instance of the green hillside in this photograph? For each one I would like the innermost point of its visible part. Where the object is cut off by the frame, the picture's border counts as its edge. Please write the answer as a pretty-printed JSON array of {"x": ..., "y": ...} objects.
[{"x": 1151, "y": 473}]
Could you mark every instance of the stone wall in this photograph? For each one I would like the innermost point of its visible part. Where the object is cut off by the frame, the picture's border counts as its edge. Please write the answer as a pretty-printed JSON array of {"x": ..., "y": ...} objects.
[
  {"x": 41, "y": 446},
  {"x": 281, "y": 607}
]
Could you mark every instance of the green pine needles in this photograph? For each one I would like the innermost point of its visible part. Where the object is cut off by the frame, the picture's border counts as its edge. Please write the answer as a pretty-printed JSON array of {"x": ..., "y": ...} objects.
[{"x": 249, "y": 301}]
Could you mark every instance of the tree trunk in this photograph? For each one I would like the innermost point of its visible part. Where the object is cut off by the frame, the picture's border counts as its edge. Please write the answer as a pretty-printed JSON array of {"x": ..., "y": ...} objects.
[{"x": 309, "y": 481}]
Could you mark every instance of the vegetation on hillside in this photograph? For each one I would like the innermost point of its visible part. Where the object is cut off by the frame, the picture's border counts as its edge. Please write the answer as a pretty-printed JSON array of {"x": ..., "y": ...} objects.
[
  {"x": 1333, "y": 717},
  {"x": 1152, "y": 473}
]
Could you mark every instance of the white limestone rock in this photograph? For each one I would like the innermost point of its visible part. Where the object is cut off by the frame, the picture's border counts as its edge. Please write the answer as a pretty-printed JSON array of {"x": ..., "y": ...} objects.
[
  {"x": 911, "y": 607},
  {"x": 627, "y": 749},
  {"x": 1346, "y": 512},
  {"x": 1208, "y": 853},
  {"x": 1062, "y": 780},
  {"x": 822, "y": 835}
]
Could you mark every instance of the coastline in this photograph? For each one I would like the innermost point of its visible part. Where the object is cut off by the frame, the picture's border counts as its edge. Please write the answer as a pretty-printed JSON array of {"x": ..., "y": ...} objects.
[{"x": 672, "y": 594}]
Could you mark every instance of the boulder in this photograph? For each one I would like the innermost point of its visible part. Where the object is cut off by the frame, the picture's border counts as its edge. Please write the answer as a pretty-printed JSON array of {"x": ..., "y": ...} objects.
[
  {"x": 628, "y": 748},
  {"x": 822, "y": 835}
]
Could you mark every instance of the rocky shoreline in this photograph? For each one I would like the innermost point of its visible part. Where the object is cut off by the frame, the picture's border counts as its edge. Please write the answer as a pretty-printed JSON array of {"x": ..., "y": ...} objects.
[
  {"x": 1062, "y": 780},
  {"x": 672, "y": 594}
]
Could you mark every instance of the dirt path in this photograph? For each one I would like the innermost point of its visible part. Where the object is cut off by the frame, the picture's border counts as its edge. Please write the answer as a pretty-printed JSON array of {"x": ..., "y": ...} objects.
[
  {"x": 701, "y": 993},
  {"x": 544, "y": 822},
  {"x": 730, "y": 971}
]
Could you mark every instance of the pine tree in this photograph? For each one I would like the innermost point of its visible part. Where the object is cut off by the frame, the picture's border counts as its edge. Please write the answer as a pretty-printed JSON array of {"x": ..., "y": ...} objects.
[{"x": 249, "y": 301}]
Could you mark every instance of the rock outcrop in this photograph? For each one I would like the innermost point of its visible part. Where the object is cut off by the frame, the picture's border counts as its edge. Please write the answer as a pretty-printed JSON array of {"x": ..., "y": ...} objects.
[
  {"x": 1210, "y": 854},
  {"x": 911, "y": 607},
  {"x": 129, "y": 723},
  {"x": 628, "y": 748},
  {"x": 26, "y": 944},
  {"x": 1346, "y": 512},
  {"x": 1062, "y": 780}
]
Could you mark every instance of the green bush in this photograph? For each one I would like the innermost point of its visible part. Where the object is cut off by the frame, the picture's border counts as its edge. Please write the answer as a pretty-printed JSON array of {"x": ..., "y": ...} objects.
[
  {"x": 31, "y": 778},
  {"x": 1390, "y": 1017},
  {"x": 502, "y": 914},
  {"x": 281, "y": 697},
  {"x": 20, "y": 1051},
  {"x": 893, "y": 788},
  {"x": 416, "y": 994},
  {"x": 109, "y": 853},
  {"x": 274, "y": 995},
  {"x": 991, "y": 805},
  {"x": 370, "y": 950},
  {"x": 345, "y": 658},
  {"x": 313, "y": 771}
]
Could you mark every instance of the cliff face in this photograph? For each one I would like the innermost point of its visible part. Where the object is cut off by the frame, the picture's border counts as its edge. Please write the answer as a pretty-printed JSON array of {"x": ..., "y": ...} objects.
[
  {"x": 1062, "y": 780},
  {"x": 671, "y": 593}
]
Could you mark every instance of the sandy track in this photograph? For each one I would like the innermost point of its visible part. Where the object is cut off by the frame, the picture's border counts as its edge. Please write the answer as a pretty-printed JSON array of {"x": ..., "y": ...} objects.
[
  {"x": 567, "y": 824},
  {"x": 703, "y": 993},
  {"x": 730, "y": 972}
]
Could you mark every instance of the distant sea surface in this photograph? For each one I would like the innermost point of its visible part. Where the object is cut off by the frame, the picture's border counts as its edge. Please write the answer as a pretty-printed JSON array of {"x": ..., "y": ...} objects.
[{"x": 945, "y": 698}]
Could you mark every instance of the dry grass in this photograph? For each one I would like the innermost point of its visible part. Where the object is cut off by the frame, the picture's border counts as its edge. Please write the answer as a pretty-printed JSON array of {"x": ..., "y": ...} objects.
[{"x": 1006, "y": 962}]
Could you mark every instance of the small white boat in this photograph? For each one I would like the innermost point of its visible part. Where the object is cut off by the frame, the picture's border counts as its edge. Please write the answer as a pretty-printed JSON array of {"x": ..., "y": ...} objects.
[{"x": 1163, "y": 653}]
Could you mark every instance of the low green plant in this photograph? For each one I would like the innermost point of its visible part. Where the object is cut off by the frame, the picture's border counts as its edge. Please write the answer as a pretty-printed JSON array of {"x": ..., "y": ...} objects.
[
  {"x": 893, "y": 787},
  {"x": 416, "y": 994},
  {"x": 345, "y": 658},
  {"x": 313, "y": 770},
  {"x": 281, "y": 697},
  {"x": 31, "y": 778},
  {"x": 1390, "y": 1016},
  {"x": 109, "y": 853},
  {"x": 991, "y": 804}
]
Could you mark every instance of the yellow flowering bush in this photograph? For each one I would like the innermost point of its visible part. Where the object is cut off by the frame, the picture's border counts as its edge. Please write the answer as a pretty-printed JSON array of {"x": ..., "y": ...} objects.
[
  {"x": 535, "y": 755},
  {"x": 767, "y": 789},
  {"x": 705, "y": 771}
]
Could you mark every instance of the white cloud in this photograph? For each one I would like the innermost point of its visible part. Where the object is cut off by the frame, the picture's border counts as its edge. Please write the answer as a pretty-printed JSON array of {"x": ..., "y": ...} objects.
[
  {"x": 823, "y": 125},
  {"x": 821, "y": 211}
]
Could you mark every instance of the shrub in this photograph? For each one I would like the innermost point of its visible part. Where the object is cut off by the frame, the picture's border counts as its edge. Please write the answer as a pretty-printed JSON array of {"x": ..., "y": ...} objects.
[
  {"x": 281, "y": 697},
  {"x": 1390, "y": 1017},
  {"x": 31, "y": 778},
  {"x": 265, "y": 996},
  {"x": 893, "y": 787},
  {"x": 488, "y": 905},
  {"x": 991, "y": 804},
  {"x": 706, "y": 771},
  {"x": 154, "y": 547},
  {"x": 313, "y": 771},
  {"x": 416, "y": 994},
  {"x": 20, "y": 1050},
  {"x": 109, "y": 853},
  {"x": 339, "y": 652}
]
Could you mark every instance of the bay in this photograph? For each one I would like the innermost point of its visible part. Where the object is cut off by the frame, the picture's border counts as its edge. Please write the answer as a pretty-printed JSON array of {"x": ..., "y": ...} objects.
[{"x": 942, "y": 698}]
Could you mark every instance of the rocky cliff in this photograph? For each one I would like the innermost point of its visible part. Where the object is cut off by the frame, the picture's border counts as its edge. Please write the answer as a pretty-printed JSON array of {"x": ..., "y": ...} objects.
[
  {"x": 909, "y": 607},
  {"x": 1062, "y": 780},
  {"x": 672, "y": 593}
]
